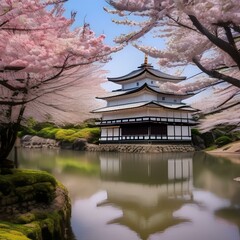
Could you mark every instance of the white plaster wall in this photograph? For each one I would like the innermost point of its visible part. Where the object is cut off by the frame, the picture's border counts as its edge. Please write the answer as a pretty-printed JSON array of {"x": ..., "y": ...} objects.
[
  {"x": 184, "y": 114},
  {"x": 146, "y": 111},
  {"x": 170, "y": 132},
  {"x": 185, "y": 131},
  {"x": 177, "y": 114},
  {"x": 169, "y": 98},
  {"x": 139, "y": 83},
  {"x": 138, "y": 112},
  {"x": 109, "y": 132},
  {"x": 178, "y": 133},
  {"x": 116, "y": 131},
  {"x": 146, "y": 96},
  {"x": 173, "y": 132},
  {"x": 125, "y": 114},
  {"x": 103, "y": 131},
  {"x": 178, "y": 169},
  {"x": 112, "y": 167}
]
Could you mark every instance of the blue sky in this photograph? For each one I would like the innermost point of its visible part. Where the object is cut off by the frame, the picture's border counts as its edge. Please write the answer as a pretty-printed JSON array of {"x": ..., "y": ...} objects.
[
  {"x": 128, "y": 59},
  {"x": 91, "y": 11}
]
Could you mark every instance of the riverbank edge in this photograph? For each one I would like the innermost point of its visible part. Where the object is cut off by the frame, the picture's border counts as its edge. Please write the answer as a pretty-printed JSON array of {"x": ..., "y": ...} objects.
[
  {"x": 81, "y": 144},
  {"x": 23, "y": 216},
  {"x": 230, "y": 151}
]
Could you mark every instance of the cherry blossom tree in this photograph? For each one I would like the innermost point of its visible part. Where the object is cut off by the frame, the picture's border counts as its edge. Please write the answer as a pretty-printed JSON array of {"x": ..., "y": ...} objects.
[
  {"x": 44, "y": 65},
  {"x": 201, "y": 33}
]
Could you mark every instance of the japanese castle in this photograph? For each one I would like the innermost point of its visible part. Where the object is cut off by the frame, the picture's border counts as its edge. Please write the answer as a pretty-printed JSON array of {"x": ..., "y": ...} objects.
[{"x": 141, "y": 112}]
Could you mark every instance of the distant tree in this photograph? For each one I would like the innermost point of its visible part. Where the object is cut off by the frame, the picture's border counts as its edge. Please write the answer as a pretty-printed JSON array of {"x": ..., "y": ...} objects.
[
  {"x": 203, "y": 33},
  {"x": 44, "y": 65}
]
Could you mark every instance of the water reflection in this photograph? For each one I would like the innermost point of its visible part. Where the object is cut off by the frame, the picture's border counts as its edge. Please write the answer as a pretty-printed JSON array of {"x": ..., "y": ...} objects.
[
  {"x": 148, "y": 189},
  {"x": 146, "y": 196},
  {"x": 216, "y": 174}
]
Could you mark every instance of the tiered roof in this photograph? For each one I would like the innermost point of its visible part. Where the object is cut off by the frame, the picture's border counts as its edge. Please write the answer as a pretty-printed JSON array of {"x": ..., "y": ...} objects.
[
  {"x": 175, "y": 106},
  {"x": 145, "y": 86},
  {"x": 146, "y": 70}
]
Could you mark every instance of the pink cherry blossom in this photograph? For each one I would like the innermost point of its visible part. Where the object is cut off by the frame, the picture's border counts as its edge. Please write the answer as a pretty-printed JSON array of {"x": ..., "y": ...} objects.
[
  {"x": 45, "y": 66},
  {"x": 202, "y": 33}
]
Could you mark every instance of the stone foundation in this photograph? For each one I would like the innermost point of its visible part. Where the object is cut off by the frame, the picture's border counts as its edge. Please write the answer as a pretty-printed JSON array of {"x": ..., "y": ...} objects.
[
  {"x": 82, "y": 145},
  {"x": 134, "y": 148}
]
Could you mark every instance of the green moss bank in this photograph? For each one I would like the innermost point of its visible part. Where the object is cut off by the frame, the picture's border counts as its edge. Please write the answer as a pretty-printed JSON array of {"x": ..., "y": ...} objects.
[{"x": 33, "y": 205}]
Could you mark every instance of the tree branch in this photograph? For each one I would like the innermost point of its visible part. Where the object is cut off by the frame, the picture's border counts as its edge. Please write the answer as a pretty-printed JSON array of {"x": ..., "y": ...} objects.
[
  {"x": 225, "y": 46},
  {"x": 12, "y": 88},
  {"x": 216, "y": 74},
  {"x": 230, "y": 36},
  {"x": 222, "y": 109},
  {"x": 181, "y": 24}
]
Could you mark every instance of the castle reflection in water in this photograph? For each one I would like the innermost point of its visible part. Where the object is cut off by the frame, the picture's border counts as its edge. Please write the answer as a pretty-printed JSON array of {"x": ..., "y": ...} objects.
[
  {"x": 148, "y": 189},
  {"x": 146, "y": 196}
]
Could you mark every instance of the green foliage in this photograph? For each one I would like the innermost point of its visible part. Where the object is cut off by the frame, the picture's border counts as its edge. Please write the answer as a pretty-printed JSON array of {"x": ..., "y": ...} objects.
[
  {"x": 69, "y": 135},
  {"x": 195, "y": 131},
  {"x": 217, "y": 137},
  {"x": 6, "y": 233},
  {"x": 25, "y": 218},
  {"x": 44, "y": 192},
  {"x": 209, "y": 139},
  {"x": 48, "y": 132},
  {"x": 93, "y": 135},
  {"x": 223, "y": 140},
  {"x": 36, "y": 224},
  {"x": 40, "y": 125},
  {"x": 32, "y": 127},
  {"x": 89, "y": 123},
  {"x": 28, "y": 185},
  {"x": 65, "y": 135},
  {"x": 31, "y": 123},
  {"x": 219, "y": 132},
  {"x": 213, "y": 147},
  {"x": 69, "y": 126},
  {"x": 26, "y": 131},
  {"x": 78, "y": 167}
]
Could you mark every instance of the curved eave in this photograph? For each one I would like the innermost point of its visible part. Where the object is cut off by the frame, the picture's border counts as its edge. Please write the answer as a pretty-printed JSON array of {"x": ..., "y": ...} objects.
[
  {"x": 155, "y": 72},
  {"x": 144, "y": 86},
  {"x": 151, "y": 71},
  {"x": 128, "y": 76},
  {"x": 143, "y": 104}
]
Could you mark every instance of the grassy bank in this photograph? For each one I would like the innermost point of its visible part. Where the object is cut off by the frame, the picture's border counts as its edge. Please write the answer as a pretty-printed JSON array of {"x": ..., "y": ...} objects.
[{"x": 66, "y": 133}]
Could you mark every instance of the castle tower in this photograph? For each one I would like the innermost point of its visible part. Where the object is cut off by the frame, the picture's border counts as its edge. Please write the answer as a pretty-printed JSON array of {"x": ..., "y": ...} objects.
[{"x": 141, "y": 112}]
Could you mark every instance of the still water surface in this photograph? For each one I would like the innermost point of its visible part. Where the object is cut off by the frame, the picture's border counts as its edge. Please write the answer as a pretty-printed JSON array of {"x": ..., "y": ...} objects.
[{"x": 120, "y": 196}]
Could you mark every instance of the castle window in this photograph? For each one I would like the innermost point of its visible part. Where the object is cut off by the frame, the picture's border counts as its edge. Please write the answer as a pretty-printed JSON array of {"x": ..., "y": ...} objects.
[{"x": 137, "y": 83}]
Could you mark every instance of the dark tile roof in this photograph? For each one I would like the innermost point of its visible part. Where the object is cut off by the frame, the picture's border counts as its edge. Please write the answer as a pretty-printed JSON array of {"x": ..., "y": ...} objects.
[{"x": 146, "y": 69}]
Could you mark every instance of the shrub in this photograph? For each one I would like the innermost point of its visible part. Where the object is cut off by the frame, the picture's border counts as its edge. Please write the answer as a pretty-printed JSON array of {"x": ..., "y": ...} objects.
[
  {"x": 40, "y": 125},
  {"x": 65, "y": 135},
  {"x": 48, "y": 132},
  {"x": 223, "y": 140},
  {"x": 208, "y": 138},
  {"x": 195, "y": 131},
  {"x": 26, "y": 131},
  {"x": 94, "y": 135},
  {"x": 69, "y": 135}
]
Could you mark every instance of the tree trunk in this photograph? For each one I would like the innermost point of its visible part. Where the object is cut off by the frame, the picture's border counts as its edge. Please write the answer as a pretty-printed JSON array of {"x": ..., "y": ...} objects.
[{"x": 8, "y": 135}]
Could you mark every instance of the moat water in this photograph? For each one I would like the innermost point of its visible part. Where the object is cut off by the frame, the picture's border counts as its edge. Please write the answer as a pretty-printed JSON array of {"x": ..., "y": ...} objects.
[{"x": 123, "y": 196}]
